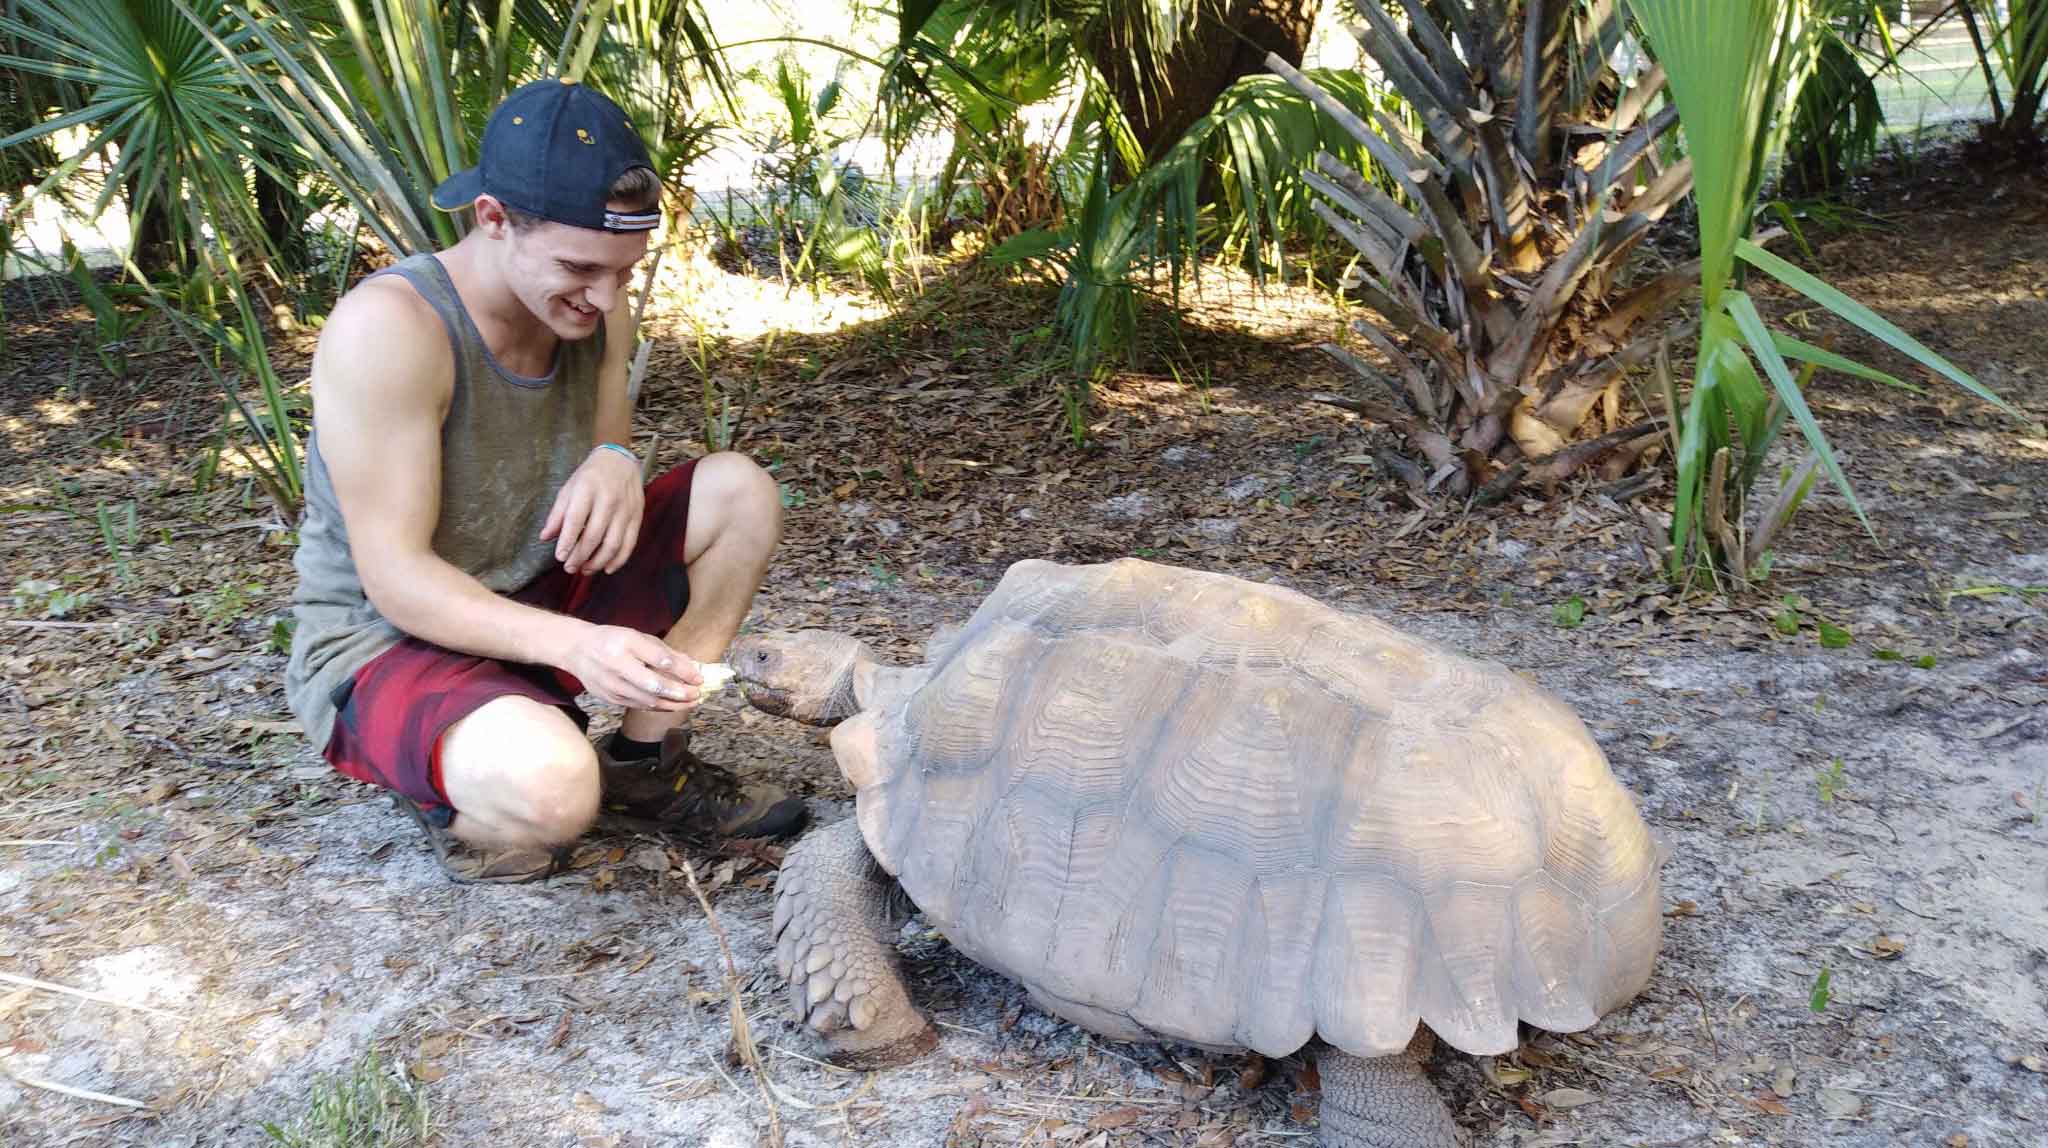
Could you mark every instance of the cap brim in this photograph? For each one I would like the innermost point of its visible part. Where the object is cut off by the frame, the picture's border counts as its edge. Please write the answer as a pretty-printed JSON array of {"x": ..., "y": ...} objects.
[{"x": 459, "y": 190}]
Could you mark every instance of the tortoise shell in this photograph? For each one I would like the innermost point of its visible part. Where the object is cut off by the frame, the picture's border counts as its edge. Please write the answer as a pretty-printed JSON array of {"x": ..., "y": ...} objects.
[{"x": 1183, "y": 805}]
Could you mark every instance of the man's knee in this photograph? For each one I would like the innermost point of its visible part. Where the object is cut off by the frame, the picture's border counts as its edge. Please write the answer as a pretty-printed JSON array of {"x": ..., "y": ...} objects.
[
  {"x": 524, "y": 766},
  {"x": 733, "y": 498}
]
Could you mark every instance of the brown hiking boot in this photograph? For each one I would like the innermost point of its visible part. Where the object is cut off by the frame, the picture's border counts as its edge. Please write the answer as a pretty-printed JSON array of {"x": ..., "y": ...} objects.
[
  {"x": 680, "y": 793},
  {"x": 467, "y": 864}
]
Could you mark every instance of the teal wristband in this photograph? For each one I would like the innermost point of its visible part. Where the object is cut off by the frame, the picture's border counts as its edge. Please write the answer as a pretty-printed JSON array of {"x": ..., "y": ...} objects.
[{"x": 624, "y": 450}]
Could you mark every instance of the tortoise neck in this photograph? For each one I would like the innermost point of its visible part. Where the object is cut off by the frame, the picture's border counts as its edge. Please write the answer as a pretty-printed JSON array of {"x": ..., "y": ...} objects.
[{"x": 876, "y": 686}]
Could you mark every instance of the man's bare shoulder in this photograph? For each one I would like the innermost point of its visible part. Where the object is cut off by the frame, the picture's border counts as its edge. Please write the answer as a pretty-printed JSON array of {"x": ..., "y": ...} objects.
[{"x": 382, "y": 336}]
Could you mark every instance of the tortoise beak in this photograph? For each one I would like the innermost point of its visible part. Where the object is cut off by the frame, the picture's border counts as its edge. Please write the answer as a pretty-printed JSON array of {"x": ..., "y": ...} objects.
[
  {"x": 752, "y": 662},
  {"x": 767, "y": 699}
]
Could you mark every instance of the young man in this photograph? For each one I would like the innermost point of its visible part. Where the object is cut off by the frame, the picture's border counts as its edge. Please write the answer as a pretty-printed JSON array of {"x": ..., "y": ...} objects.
[{"x": 477, "y": 548}]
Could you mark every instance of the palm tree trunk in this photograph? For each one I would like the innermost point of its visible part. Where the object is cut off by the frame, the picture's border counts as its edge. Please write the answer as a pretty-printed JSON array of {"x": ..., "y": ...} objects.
[
  {"x": 1162, "y": 94},
  {"x": 154, "y": 239},
  {"x": 283, "y": 212}
]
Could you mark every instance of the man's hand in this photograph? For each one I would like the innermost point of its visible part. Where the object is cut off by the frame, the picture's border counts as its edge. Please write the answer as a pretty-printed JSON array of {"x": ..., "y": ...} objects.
[
  {"x": 596, "y": 517},
  {"x": 635, "y": 670}
]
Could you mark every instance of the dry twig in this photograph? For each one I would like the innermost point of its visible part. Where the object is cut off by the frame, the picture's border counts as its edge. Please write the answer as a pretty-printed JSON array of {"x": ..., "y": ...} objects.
[
  {"x": 82, "y": 994},
  {"x": 742, "y": 1034},
  {"x": 77, "y": 1093}
]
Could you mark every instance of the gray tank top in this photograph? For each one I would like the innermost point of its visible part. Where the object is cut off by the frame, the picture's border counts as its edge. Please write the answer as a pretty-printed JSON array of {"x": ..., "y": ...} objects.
[{"x": 508, "y": 444}]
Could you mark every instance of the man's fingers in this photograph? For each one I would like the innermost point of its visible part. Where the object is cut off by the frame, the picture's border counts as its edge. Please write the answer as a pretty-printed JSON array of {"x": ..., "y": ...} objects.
[
  {"x": 597, "y": 526},
  {"x": 674, "y": 674},
  {"x": 573, "y": 520},
  {"x": 587, "y": 520},
  {"x": 612, "y": 554},
  {"x": 555, "y": 515},
  {"x": 663, "y": 657},
  {"x": 629, "y": 535},
  {"x": 638, "y": 696},
  {"x": 650, "y": 691}
]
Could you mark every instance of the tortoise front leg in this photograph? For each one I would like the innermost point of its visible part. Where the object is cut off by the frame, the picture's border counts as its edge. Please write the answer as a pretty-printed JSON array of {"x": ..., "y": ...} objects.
[
  {"x": 1384, "y": 1101},
  {"x": 832, "y": 941}
]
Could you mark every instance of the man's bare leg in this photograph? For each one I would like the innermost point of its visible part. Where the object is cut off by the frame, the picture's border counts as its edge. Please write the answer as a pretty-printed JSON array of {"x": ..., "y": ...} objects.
[
  {"x": 520, "y": 775},
  {"x": 735, "y": 522}
]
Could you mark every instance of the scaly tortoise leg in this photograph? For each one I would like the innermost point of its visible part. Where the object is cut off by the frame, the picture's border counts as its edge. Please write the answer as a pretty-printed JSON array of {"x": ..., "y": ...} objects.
[
  {"x": 1384, "y": 1101},
  {"x": 832, "y": 942}
]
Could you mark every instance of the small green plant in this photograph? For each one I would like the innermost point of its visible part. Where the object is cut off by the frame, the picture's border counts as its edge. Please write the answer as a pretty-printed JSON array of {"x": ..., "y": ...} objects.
[
  {"x": 118, "y": 535},
  {"x": 1832, "y": 637},
  {"x": 47, "y": 599},
  {"x": 281, "y": 632},
  {"x": 792, "y": 495},
  {"x": 1823, "y": 990},
  {"x": 882, "y": 575},
  {"x": 1570, "y": 613},
  {"x": 369, "y": 1106},
  {"x": 1198, "y": 376},
  {"x": 1787, "y": 620},
  {"x": 228, "y": 602},
  {"x": 113, "y": 325},
  {"x": 1829, "y": 781}
]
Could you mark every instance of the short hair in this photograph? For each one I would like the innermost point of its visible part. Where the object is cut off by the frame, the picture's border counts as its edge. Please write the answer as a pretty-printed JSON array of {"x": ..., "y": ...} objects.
[{"x": 637, "y": 190}]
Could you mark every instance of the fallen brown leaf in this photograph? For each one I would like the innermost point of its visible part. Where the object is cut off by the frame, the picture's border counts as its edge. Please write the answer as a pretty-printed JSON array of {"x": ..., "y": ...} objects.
[{"x": 1114, "y": 1118}]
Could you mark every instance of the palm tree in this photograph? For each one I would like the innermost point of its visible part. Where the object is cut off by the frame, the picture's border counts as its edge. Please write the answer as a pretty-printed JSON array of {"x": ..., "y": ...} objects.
[
  {"x": 1182, "y": 140},
  {"x": 1496, "y": 260}
]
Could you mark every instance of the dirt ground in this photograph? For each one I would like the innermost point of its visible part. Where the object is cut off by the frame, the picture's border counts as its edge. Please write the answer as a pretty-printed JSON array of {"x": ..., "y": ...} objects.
[{"x": 1856, "y": 949}]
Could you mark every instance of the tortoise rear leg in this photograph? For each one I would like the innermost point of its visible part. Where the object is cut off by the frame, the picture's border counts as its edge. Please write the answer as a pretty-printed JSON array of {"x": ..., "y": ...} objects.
[
  {"x": 1384, "y": 1101},
  {"x": 832, "y": 941}
]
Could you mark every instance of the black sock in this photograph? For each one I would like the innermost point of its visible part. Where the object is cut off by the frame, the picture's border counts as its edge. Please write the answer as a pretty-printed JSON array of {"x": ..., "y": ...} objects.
[{"x": 623, "y": 748}]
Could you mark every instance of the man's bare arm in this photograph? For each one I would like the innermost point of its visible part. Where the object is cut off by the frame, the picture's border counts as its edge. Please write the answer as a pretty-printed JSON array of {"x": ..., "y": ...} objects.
[
  {"x": 614, "y": 407},
  {"x": 382, "y": 379}
]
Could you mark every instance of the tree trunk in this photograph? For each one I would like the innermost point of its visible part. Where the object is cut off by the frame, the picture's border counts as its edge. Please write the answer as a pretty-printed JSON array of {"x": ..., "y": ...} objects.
[
  {"x": 154, "y": 240},
  {"x": 283, "y": 212},
  {"x": 1228, "y": 40}
]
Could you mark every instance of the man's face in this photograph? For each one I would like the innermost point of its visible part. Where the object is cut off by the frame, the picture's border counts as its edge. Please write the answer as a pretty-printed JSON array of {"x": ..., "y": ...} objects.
[{"x": 569, "y": 277}]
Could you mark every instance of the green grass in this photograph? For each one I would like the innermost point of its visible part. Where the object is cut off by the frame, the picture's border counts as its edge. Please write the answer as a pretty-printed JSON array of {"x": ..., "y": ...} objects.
[{"x": 366, "y": 1107}]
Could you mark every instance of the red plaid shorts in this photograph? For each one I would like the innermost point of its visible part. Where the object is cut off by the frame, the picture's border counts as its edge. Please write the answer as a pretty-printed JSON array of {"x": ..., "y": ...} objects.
[{"x": 388, "y": 727}]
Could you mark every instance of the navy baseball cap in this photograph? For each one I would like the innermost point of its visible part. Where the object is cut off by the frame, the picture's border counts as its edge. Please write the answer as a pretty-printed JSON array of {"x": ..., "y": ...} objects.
[{"x": 553, "y": 149}]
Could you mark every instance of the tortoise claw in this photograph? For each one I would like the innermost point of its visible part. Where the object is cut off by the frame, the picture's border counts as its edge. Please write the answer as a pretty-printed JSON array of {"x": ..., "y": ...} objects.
[{"x": 889, "y": 1047}]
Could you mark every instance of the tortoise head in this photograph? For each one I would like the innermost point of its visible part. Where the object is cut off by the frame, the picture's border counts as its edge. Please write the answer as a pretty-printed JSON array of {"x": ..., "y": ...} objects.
[{"x": 807, "y": 675}]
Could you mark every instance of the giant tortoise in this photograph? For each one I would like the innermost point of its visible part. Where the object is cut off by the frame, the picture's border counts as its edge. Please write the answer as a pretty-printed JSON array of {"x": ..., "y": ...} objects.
[{"x": 1182, "y": 806}]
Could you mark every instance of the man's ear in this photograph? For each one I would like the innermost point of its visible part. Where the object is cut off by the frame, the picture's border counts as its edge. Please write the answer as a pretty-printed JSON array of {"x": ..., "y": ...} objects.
[{"x": 491, "y": 218}]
